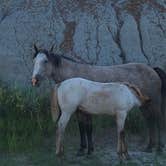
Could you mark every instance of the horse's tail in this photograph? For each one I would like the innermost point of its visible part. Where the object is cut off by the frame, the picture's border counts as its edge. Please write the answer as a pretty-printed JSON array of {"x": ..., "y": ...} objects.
[
  {"x": 162, "y": 76},
  {"x": 55, "y": 109},
  {"x": 143, "y": 98}
]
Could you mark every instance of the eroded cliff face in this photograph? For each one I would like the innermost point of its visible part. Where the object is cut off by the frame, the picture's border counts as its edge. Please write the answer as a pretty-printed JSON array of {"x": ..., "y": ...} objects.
[{"x": 101, "y": 32}]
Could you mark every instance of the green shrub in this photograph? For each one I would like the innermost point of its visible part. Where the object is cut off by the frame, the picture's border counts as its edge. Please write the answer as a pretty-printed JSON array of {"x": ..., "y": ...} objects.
[
  {"x": 135, "y": 122},
  {"x": 24, "y": 119}
]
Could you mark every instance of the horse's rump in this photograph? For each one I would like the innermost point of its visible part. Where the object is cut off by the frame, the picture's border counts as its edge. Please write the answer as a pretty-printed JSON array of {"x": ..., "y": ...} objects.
[
  {"x": 162, "y": 76},
  {"x": 142, "y": 97}
]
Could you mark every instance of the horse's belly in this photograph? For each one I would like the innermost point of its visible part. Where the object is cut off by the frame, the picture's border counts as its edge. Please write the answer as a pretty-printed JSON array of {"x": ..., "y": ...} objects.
[{"x": 98, "y": 107}]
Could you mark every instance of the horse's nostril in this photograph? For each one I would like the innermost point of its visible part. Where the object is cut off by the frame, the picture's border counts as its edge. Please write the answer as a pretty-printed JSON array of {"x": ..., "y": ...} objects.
[{"x": 34, "y": 81}]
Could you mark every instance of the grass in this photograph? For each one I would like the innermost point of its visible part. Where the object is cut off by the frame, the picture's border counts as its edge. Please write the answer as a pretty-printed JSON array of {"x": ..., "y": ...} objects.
[{"x": 24, "y": 119}]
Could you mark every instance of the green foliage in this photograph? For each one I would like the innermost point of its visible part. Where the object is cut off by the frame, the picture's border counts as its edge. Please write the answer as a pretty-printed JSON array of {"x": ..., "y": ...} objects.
[
  {"x": 24, "y": 119},
  {"x": 135, "y": 122}
]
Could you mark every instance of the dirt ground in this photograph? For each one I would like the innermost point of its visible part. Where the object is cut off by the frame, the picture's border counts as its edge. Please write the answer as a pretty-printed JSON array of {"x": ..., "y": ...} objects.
[{"x": 104, "y": 154}]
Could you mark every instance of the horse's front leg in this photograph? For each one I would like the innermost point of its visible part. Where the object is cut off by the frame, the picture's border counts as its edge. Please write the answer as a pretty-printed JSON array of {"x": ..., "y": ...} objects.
[
  {"x": 62, "y": 123},
  {"x": 89, "y": 133},
  {"x": 85, "y": 127},
  {"x": 121, "y": 146},
  {"x": 82, "y": 129}
]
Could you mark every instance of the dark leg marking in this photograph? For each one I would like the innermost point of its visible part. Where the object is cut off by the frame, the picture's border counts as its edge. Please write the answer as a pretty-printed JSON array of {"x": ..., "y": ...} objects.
[
  {"x": 89, "y": 133},
  {"x": 82, "y": 129}
]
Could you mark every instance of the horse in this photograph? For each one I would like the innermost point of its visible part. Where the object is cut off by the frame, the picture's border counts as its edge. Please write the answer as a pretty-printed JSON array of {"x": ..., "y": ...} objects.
[
  {"x": 60, "y": 67},
  {"x": 113, "y": 98}
]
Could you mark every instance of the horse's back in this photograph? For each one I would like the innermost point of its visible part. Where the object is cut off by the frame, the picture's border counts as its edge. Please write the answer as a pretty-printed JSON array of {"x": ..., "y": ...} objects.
[
  {"x": 141, "y": 75},
  {"x": 110, "y": 98}
]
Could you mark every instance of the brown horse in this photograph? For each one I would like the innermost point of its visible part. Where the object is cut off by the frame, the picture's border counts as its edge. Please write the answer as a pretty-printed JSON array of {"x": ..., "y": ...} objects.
[{"x": 60, "y": 68}]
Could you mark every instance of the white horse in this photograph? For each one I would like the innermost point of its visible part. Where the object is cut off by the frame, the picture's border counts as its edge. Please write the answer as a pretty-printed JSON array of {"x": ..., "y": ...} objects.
[{"x": 95, "y": 98}]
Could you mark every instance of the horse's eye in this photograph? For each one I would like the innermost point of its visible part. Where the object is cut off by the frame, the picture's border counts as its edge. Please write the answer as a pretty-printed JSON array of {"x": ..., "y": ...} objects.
[{"x": 46, "y": 61}]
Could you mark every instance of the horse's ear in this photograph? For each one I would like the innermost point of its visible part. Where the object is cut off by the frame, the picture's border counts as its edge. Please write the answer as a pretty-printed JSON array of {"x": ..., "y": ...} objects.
[
  {"x": 52, "y": 48},
  {"x": 35, "y": 47}
]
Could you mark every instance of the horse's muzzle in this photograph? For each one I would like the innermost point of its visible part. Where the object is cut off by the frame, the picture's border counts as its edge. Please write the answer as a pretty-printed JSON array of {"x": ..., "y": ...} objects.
[{"x": 35, "y": 81}]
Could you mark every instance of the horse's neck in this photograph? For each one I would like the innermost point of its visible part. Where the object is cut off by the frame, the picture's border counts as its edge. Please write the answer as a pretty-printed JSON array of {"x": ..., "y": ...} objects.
[{"x": 68, "y": 69}]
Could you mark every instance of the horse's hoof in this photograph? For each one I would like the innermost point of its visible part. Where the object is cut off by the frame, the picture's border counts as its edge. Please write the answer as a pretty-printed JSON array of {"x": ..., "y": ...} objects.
[
  {"x": 120, "y": 155},
  {"x": 120, "y": 159},
  {"x": 59, "y": 154},
  {"x": 90, "y": 151},
  {"x": 126, "y": 156},
  {"x": 81, "y": 152},
  {"x": 123, "y": 156},
  {"x": 162, "y": 145}
]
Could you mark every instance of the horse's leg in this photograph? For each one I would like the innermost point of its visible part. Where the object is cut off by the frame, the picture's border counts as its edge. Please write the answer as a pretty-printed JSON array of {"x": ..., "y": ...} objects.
[
  {"x": 62, "y": 123},
  {"x": 163, "y": 115},
  {"x": 152, "y": 130},
  {"x": 89, "y": 133},
  {"x": 124, "y": 145},
  {"x": 160, "y": 124},
  {"x": 151, "y": 124},
  {"x": 82, "y": 128},
  {"x": 153, "y": 117},
  {"x": 121, "y": 147}
]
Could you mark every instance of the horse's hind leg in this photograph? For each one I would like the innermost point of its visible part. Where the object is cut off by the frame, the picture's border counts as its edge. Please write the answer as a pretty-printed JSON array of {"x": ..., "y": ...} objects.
[
  {"x": 122, "y": 146},
  {"x": 153, "y": 118},
  {"x": 160, "y": 125},
  {"x": 151, "y": 130}
]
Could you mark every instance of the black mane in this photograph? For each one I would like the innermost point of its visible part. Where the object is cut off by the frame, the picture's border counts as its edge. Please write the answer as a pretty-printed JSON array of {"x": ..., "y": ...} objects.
[
  {"x": 70, "y": 59},
  {"x": 56, "y": 59}
]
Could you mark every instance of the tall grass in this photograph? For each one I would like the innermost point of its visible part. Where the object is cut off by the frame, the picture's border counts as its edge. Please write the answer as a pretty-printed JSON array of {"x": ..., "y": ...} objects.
[{"x": 25, "y": 119}]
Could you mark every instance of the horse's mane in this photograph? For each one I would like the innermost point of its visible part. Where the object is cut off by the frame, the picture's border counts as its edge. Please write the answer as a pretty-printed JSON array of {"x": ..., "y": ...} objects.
[
  {"x": 56, "y": 59},
  {"x": 69, "y": 58}
]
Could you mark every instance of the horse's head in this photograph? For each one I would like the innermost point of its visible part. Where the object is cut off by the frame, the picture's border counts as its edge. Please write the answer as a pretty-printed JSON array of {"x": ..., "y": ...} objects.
[{"x": 44, "y": 63}]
